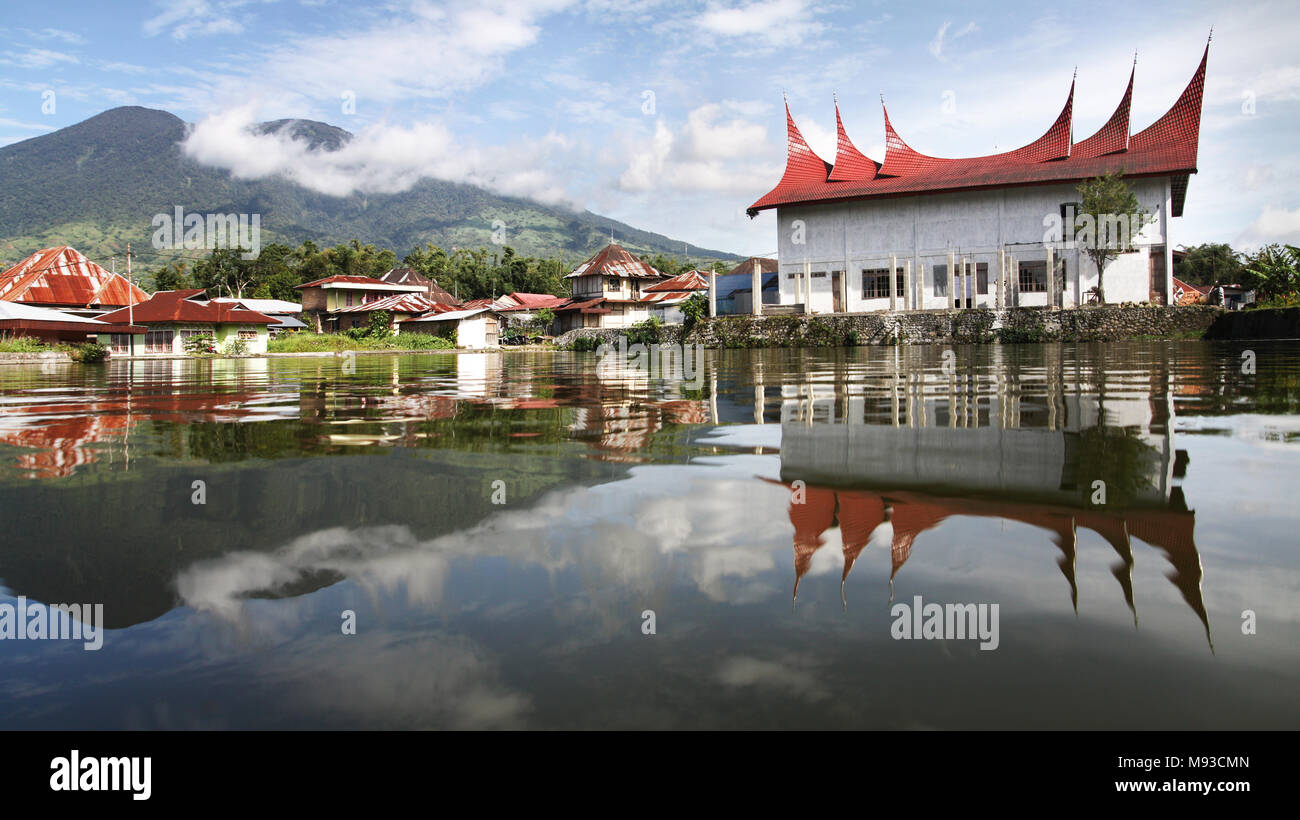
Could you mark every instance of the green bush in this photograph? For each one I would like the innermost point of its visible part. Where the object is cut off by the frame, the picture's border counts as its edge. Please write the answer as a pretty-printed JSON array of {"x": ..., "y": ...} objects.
[
  {"x": 198, "y": 345},
  {"x": 236, "y": 347},
  {"x": 22, "y": 344},
  {"x": 88, "y": 352}
]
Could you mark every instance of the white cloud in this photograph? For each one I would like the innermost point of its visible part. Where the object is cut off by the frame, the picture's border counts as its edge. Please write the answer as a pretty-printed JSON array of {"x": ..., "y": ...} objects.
[
  {"x": 379, "y": 159},
  {"x": 1272, "y": 225},
  {"x": 193, "y": 18},
  {"x": 711, "y": 152},
  {"x": 941, "y": 40},
  {"x": 39, "y": 58},
  {"x": 776, "y": 22}
]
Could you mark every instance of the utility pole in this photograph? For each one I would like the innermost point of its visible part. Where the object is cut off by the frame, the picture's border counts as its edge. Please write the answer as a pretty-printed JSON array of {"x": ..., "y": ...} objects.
[{"x": 130, "y": 300}]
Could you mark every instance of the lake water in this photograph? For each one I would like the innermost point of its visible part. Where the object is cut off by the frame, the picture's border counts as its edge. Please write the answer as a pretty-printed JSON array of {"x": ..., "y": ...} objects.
[{"x": 545, "y": 540}]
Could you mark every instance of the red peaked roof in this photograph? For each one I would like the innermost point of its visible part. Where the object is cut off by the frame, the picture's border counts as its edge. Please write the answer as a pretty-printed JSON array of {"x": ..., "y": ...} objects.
[
  {"x": 615, "y": 260},
  {"x": 530, "y": 301},
  {"x": 181, "y": 306},
  {"x": 691, "y": 280},
  {"x": 64, "y": 276},
  {"x": 397, "y": 303},
  {"x": 1166, "y": 148}
]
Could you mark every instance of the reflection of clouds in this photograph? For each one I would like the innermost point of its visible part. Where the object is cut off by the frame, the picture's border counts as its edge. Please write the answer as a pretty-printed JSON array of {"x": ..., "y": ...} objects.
[
  {"x": 790, "y": 677},
  {"x": 617, "y": 532},
  {"x": 409, "y": 681}
]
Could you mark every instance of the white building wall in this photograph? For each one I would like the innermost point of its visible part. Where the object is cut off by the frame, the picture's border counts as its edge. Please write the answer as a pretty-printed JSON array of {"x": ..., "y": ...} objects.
[{"x": 854, "y": 236}]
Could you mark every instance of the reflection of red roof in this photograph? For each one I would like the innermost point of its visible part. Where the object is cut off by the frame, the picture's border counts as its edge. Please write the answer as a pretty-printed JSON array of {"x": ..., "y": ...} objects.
[
  {"x": 1168, "y": 147},
  {"x": 64, "y": 276},
  {"x": 615, "y": 260},
  {"x": 180, "y": 306}
]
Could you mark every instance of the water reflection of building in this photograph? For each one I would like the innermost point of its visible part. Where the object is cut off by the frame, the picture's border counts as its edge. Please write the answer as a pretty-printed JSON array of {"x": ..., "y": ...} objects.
[{"x": 914, "y": 447}]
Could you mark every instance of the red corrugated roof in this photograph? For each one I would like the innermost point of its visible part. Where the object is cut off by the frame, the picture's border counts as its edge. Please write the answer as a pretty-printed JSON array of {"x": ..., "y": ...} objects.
[
  {"x": 691, "y": 280},
  {"x": 615, "y": 260},
  {"x": 530, "y": 301},
  {"x": 397, "y": 303},
  {"x": 339, "y": 278},
  {"x": 181, "y": 306},
  {"x": 1167, "y": 147},
  {"x": 63, "y": 276}
]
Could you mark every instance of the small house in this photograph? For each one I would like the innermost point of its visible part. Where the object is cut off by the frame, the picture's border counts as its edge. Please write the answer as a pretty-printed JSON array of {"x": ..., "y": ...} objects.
[
  {"x": 172, "y": 316},
  {"x": 475, "y": 328}
]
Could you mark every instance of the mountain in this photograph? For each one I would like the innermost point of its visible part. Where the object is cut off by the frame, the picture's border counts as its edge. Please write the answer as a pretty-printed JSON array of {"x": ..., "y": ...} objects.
[{"x": 97, "y": 185}]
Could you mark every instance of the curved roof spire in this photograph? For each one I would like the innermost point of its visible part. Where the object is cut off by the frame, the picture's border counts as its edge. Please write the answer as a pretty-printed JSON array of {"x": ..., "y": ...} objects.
[
  {"x": 801, "y": 164},
  {"x": 850, "y": 163},
  {"x": 1112, "y": 137},
  {"x": 902, "y": 160},
  {"x": 1179, "y": 129}
]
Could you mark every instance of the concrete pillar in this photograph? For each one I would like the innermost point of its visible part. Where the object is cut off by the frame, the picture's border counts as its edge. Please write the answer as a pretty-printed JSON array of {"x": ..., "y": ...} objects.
[
  {"x": 1013, "y": 281},
  {"x": 965, "y": 281},
  {"x": 952, "y": 278},
  {"x": 893, "y": 286},
  {"x": 713, "y": 294},
  {"x": 757, "y": 279},
  {"x": 807, "y": 287},
  {"x": 997, "y": 279},
  {"x": 909, "y": 298},
  {"x": 1051, "y": 276}
]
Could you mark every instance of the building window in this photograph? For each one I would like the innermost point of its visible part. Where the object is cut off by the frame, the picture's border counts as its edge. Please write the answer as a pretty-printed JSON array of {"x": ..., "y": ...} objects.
[
  {"x": 613, "y": 284},
  {"x": 248, "y": 335},
  {"x": 159, "y": 341},
  {"x": 819, "y": 274},
  {"x": 875, "y": 283},
  {"x": 349, "y": 299},
  {"x": 940, "y": 280},
  {"x": 1033, "y": 277},
  {"x": 981, "y": 278},
  {"x": 119, "y": 342}
]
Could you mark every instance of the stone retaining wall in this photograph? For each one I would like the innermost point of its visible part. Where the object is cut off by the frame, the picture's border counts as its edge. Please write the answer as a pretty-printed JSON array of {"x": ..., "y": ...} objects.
[{"x": 975, "y": 326}]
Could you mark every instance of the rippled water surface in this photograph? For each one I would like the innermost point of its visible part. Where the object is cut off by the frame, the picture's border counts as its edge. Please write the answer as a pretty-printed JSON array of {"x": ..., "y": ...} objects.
[{"x": 505, "y": 527}]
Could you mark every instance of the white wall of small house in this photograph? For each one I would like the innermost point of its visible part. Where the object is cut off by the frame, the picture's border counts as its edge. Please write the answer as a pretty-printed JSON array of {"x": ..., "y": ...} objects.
[
  {"x": 858, "y": 236},
  {"x": 624, "y": 314}
]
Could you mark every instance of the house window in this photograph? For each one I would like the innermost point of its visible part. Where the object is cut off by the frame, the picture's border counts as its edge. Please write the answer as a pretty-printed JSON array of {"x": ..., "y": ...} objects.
[
  {"x": 119, "y": 342},
  {"x": 248, "y": 335},
  {"x": 159, "y": 341},
  {"x": 819, "y": 274},
  {"x": 349, "y": 299},
  {"x": 981, "y": 278},
  {"x": 875, "y": 283},
  {"x": 940, "y": 280},
  {"x": 1033, "y": 277},
  {"x": 613, "y": 284}
]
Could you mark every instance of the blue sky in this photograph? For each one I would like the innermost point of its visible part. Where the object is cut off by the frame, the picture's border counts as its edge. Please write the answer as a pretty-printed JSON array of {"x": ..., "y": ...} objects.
[{"x": 666, "y": 115}]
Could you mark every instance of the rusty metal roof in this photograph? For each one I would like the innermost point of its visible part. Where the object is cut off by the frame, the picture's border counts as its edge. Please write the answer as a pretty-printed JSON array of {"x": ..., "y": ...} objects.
[
  {"x": 691, "y": 280},
  {"x": 183, "y": 306},
  {"x": 62, "y": 276},
  {"x": 398, "y": 303},
  {"x": 615, "y": 260}
]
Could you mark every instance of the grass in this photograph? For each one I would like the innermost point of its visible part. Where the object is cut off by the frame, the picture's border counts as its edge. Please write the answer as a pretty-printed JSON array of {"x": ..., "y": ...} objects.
[{"x": 335, "y": 342}]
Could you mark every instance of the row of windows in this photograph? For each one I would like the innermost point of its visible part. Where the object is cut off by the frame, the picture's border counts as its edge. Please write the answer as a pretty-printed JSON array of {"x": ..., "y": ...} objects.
[{"x": 1032, "y": 278}]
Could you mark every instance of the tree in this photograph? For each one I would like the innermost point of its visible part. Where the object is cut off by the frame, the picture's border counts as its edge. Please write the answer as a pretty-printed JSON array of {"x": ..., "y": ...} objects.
[
  {"x": 1209, "y": 264},
  {"x": 1110, "y": 219},
  {"x": 171, "y": 277},
  {"x": 1273, "y": 271},
  {"x": 694, "y": 308}
]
